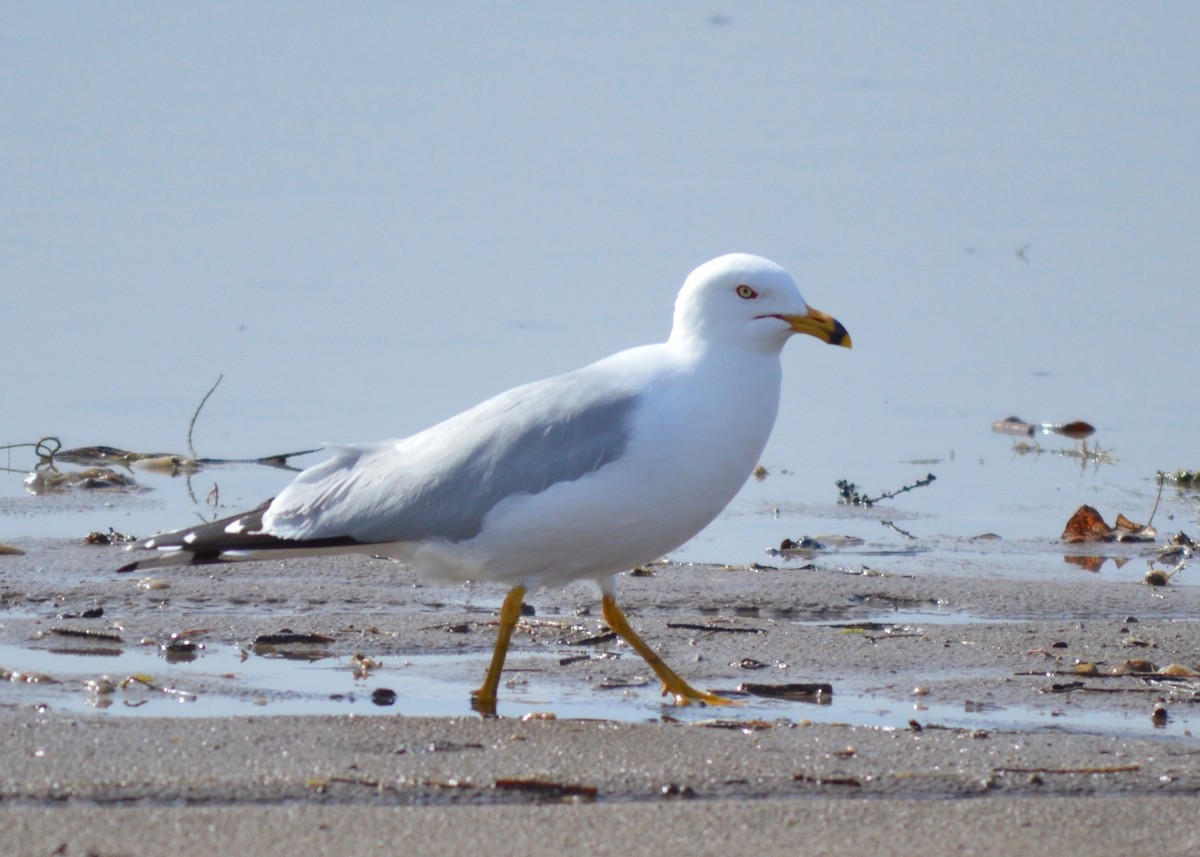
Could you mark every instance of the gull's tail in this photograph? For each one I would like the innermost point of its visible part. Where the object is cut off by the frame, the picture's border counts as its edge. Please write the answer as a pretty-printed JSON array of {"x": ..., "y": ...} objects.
[{"x": 233, "y": 539}]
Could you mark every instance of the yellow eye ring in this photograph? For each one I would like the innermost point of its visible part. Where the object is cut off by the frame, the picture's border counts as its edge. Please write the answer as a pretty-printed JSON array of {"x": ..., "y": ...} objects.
[{"x": 746, "y": 293}]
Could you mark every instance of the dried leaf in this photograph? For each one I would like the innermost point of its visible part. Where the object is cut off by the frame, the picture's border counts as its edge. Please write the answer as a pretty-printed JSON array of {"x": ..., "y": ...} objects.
[
  {"x": 1126, "y": 530},
  {"x": 1086, "y": 525}
]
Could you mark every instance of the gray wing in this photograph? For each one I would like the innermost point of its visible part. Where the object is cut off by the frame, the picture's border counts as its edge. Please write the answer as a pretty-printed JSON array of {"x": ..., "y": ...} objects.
[{"x": 441, "y": 483}]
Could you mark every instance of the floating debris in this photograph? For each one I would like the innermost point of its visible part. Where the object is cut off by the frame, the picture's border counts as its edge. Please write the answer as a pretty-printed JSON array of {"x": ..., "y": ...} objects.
[
  {"x": 362, "y": 665},
  {"x": 746, "y": 726},
  {"x": 83, "y": 634},
  {"x": 726, "y": 629},
  {"x": 1076, "y": 430},
  {"x": 1014, "y": 426},
  {"x": 289, "y": 645},
  {"x": 1106, "y": 769},
  {"x": 26, "y": 677},
  {"x": 99, "y": 461},
  {"x": 1133, "y": 666},
  {"x": 104, "y": 455},
  {"x": 172, "y": 465},
  {"x": 112, "y": 537},
  {"x": 91, "y": 455},
  {"x": 1184, "y": 479},
  {"x": 621, "y": 684},
  {"x": 1178, "y": 548},
  {"x": 594, "y": 640},
  {"x": 749, "y": 664},
  {"x": 892, "y": 526},
  {"x": 287, "y": 637},
  {"x": 147, "y": 681},
  {"x": 383, "y": 696},
  {"x": 546, "y": 788},
  {"x": 180, "y": 651},
  {"x": 532, "y": 716},
  {"x": 1087, "y": 525},
  {"x": 94, "y": 478},
  {"x": 850, "y": 495},
  {"x": 90, "y": 613},
  {"x": 101, "y": 686},
  {"x": 807, "y": 546},
  {"x": 820, "y": 693},
  {"x": 1017, "y": 427},
  {"x": 1160, "y": 576},
  {"x": 827, "y": 781}
]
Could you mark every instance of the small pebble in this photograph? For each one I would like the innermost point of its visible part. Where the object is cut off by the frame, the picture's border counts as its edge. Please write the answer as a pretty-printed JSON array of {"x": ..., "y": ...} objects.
[{"x": 383, "y": 696}]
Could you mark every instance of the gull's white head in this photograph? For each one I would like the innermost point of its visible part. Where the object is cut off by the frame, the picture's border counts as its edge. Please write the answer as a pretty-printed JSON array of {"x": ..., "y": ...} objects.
[{"x": 747, "y": 301}]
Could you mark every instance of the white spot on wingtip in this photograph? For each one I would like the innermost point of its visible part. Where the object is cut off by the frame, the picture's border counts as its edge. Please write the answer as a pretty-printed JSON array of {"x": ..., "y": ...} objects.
[
  {"x": 235, "y": 527},
  {"x": 149, "y": 544},
  {"x": 189, "y": 538}
]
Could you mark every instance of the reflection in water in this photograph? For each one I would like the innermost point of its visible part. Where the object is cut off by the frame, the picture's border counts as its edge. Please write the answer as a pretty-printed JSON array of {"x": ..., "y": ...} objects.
[{"x": 1095, "y": 563}]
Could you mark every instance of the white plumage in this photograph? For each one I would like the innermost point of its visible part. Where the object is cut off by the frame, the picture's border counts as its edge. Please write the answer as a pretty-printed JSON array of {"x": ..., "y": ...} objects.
[{"x": 580, "y": 476}]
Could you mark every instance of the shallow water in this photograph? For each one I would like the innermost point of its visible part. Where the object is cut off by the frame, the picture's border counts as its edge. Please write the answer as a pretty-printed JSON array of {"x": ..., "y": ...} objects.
[
  {"x": 985, "y": 487},
  {"x": 228, "y": 681}
]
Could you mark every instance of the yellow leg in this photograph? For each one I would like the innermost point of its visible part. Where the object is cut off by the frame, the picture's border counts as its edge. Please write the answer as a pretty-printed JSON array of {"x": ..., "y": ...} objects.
[
  {"x": 484, "y": 699},
  {"x": 683, "y": 692}
]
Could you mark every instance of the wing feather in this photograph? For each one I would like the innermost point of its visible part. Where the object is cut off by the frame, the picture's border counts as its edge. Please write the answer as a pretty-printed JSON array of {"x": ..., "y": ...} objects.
[{"x": 442, "y": 482}]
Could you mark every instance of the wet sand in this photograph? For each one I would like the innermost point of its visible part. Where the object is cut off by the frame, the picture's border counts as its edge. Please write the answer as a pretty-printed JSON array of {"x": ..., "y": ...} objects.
[{"x": 1098, "y": 777}]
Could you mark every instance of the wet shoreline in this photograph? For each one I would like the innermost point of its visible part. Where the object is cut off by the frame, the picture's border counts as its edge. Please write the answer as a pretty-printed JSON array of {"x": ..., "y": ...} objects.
[
  {"x": 944, "y": 686},
  {"x": 1084, "y": 653}
]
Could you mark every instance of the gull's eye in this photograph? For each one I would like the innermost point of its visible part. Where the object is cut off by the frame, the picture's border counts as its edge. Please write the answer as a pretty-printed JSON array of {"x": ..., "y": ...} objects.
[{"x": 746, "y": 293}]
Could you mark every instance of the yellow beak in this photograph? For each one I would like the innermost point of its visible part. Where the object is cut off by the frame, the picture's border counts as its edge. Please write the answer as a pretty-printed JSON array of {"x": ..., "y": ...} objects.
[{"x": 824, "y": 327}]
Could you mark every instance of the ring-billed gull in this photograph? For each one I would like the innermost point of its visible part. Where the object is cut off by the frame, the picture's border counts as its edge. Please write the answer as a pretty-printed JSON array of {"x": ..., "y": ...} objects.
[{"x": 581, "y": 476}]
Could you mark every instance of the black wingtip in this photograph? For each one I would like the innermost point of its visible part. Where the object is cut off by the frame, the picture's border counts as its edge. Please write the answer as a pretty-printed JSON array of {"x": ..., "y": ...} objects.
[{"x": 227, "y": 540}]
